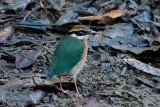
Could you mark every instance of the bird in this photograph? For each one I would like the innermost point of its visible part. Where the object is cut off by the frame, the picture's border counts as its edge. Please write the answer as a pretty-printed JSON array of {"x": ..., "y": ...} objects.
[{"x": 70, "y": 54}]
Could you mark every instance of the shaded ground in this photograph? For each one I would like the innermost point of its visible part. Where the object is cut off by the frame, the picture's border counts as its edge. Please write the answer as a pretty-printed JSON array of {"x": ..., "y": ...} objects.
[{"x": 106, "y": 79}]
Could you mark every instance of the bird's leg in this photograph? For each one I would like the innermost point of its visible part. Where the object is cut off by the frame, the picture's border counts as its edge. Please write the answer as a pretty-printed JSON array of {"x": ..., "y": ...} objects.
[
  {"x": 74, "y": 78},
  {"x": 60, "y": 83}
]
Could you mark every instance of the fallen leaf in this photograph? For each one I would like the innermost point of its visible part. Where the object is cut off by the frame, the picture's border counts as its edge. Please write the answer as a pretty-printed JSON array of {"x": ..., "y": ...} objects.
[
  {"x": 26, "y": 40},
  {"x": 136, "y": 50},
  {"x": 120, "y": 29},
  {"x": 143, "y": 67},
  {"x": 30, "y": 26},
  {"x": 26, "y": 58},
  {"x": 112, "y": 14},
  {"x": 142, "y": 19},
  {"x": 66, "y": 18},
  {"x": 16, "y": 4},
  {"x": 5, "y": 33},
  {"x": 135, "y": 44}
]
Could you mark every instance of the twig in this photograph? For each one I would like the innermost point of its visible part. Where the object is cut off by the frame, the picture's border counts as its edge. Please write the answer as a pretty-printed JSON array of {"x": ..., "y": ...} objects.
[
  {"x": 42, "y": 85},
  {"x": 91, "y": 3},
  {"x": 6, "y": 20},
  {"x": 36, "y": 8},
  {"x": 9, "y": 54},
  {"x": 8, "y": 15},
  {"x": 34, "y": 81}
]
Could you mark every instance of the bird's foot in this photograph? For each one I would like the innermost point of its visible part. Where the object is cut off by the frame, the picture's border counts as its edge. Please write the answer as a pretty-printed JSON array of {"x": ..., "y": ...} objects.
[
  {"x": 64, "y": 91},
  {"x": 61, "y": 89}
]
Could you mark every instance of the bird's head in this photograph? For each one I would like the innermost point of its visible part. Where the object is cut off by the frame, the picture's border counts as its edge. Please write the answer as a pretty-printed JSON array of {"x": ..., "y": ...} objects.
[{"x": 81, "y": 32}]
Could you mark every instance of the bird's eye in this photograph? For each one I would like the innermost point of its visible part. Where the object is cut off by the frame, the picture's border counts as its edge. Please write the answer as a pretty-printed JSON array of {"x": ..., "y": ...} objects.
[
  {"x": 78, "y": 33},
  {"x": 81, "y": 33}
]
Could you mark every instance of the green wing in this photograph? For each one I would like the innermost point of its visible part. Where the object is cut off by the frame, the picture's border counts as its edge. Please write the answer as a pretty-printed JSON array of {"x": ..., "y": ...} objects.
[{"x": 67, "y": 54}]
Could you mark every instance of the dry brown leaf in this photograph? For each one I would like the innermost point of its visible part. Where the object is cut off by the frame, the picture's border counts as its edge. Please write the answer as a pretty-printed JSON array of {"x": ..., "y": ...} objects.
[
  {"x": 143, "y": 67},
  {"x": 5, "y": 33},
  {"x": 112, "y": 14}
]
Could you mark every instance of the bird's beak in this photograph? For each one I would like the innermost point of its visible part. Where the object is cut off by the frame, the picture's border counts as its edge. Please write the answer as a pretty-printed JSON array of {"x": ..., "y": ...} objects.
[{"x": 92, "y": 32}]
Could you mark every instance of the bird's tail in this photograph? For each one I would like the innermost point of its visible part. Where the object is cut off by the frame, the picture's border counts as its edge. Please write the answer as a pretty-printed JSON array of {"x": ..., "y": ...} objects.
[{"x": 52, "y": 66}]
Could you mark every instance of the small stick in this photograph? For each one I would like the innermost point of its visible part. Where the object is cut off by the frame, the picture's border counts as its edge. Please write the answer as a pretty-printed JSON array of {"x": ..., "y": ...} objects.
[
  {"x": 35, "y": 81},
  {"x": 36, "y": 8},
  {"x": 9, "y": 54}
]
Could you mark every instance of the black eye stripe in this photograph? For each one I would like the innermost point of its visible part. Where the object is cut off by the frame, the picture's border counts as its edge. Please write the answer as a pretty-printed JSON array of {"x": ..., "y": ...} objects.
[{"x": 78, "y": 33}]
